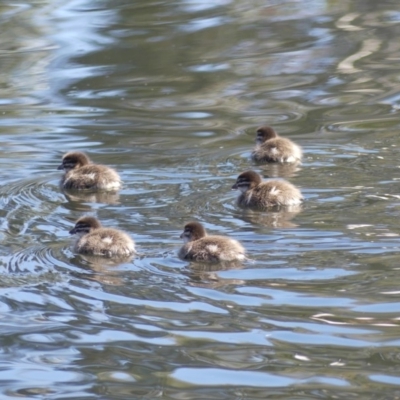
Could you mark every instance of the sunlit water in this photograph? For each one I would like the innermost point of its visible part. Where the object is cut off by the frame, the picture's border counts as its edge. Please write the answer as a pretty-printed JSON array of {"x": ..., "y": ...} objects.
[{"x": 170, "y": 94}]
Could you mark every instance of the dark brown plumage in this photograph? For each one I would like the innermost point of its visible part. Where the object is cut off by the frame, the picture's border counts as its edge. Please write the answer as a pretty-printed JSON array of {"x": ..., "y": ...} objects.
[
  {"x": 98, "y": 241},
  {"x": 262, "y": 195},
  {"x": 80, "y": 173},
  {"x": 273, "y": 148},
  {"x": 201, "y": 247}
]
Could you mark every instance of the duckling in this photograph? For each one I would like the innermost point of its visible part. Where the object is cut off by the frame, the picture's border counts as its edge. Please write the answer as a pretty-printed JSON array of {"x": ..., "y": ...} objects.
[
  {"x": 271, "y": 147},
  {"x": 80, "y": 173},
  {"x": 98, "y": 241},
  {"x": 201, "y": 247},
  {"x": 261, "y": 195}
]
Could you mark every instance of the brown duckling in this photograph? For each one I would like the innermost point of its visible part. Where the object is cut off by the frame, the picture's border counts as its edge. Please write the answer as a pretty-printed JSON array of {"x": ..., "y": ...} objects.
[
  {"x": 98, "y": 241},
  {"x": 273, "y": 148},
  {"x": 80, "y": 173},
  {"x": 262, "y": 195},
  {"x": 211, "y": 248}
]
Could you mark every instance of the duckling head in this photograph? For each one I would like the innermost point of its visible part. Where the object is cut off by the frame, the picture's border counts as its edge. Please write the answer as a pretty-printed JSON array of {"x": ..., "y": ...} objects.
[
  {"x": 85, "y": 225},
  {"x": 193, "y": 231},
  {"x": 74, "y": 159},
  {"x": 265, "y": 133},
  {"x": 247, "y": 180}
]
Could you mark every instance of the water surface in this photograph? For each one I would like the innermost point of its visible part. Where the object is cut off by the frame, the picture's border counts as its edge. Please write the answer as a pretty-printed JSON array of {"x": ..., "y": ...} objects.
[{"x": 170, "y": 94}]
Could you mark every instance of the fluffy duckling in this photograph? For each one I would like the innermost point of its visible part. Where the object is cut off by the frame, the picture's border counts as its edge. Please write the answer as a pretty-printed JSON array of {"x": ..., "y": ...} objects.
[
  {"x": 261, "y": 195},
  {"x": 98, "y": 241},
  {"x": 273, "y": 148},
  {"x": 80, "y": 173},
  {"x": 201, "y": 247}
]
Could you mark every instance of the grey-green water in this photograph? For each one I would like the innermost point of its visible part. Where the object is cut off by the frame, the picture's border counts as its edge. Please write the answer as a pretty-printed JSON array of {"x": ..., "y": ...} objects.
[{"x": 170, "y": 94}]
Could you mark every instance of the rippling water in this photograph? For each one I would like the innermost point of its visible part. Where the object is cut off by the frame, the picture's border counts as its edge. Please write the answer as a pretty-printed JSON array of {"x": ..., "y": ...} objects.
[{"x": 170, "y": 94}]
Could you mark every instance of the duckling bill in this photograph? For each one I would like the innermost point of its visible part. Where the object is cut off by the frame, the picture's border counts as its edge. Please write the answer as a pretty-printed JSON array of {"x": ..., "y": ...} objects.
[
  {"x": 209, "y": 248},
  {"x": 261, "y": 195},
  {"x": 80, "y": 173},
  {"x": 98, "y": 241},
  {"x": 271, "y": 147}
]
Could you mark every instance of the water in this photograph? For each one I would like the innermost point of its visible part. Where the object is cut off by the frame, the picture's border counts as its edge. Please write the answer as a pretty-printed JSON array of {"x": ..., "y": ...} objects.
[{"x": 170, "y": 94}]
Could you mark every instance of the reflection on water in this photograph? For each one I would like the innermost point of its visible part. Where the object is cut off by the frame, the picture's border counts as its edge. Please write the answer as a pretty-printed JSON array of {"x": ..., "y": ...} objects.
[
  {"x": 279, "y": 217},
  {"x": 207, "y": 275},
  {"x": 101, "y": 269},
  {"x": 170, "y": 95},
  {"x": 75, "y": 198},
  {"x": 276, "y": 170}
]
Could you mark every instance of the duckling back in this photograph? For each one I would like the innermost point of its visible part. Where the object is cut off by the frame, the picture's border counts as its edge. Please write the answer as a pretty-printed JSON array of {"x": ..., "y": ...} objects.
[
  {"x": 92, "y": 176},
  {"x": 277, "y": 149},
  {"x": 270, "y": 193},
  {"x": 212, "y": 249},
  {"x": 105, "y": 242}
]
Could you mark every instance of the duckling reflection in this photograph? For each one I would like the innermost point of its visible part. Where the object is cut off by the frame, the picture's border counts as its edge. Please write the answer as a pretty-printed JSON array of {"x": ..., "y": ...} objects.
[
  {"x": 98, "y": 241},
  {"x": 273, "y": 148},
  {"x": 201, "y": 247},
  {"x": 262, "y": 195},
  {"x": 206, "y": 274},
  {"x": 83, "y": 196},
  {"x": 101, "y": 269},
  {"x": 279, "y": 218},
  {"x": 281, "y": 170},
  {"x": 80, "y": 173}
]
